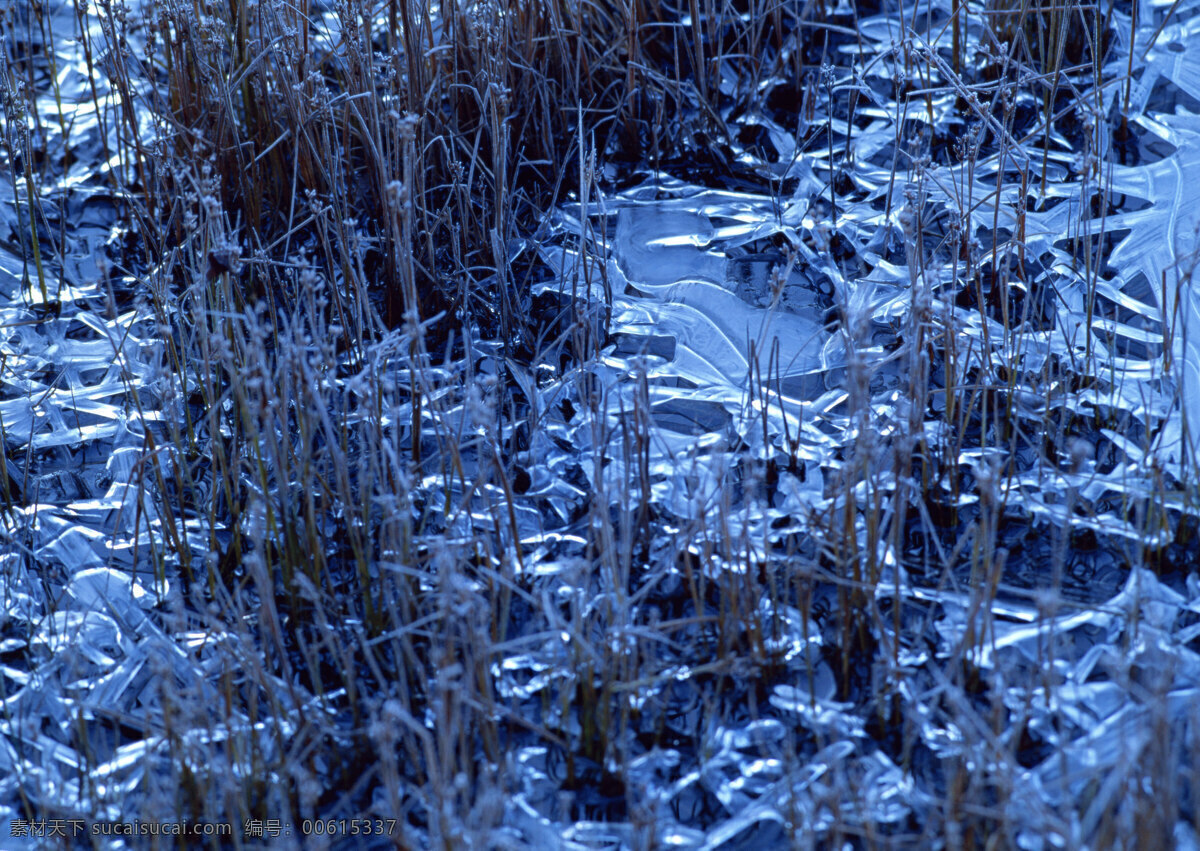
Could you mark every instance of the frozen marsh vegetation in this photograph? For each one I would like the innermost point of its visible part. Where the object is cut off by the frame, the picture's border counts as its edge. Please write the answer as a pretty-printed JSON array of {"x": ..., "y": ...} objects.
[{"x": 721, "y": 424}]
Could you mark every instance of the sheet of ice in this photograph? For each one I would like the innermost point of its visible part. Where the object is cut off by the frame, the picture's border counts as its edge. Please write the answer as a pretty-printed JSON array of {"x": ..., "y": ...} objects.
[
  {"x": 659, "y": 245},
  {"x": 664, "y": 253}
]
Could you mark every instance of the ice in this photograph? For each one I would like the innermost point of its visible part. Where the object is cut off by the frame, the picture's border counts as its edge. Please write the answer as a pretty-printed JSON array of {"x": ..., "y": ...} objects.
[
  {"x": 662, "y": 253},
  {"x": 657, "y": 246}
]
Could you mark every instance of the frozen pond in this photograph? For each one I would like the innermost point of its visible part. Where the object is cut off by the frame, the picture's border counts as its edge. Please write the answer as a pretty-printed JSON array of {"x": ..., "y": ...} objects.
[{"x": 775, "y": 521}]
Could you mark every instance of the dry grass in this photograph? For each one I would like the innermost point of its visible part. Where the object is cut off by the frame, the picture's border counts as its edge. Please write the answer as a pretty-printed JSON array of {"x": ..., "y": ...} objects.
[{"x": 328, "y": 231}]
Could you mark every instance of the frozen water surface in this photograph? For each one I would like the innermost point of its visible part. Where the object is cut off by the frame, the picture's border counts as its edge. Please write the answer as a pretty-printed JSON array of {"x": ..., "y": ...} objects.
[{"x": 1025, "y": 605}]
